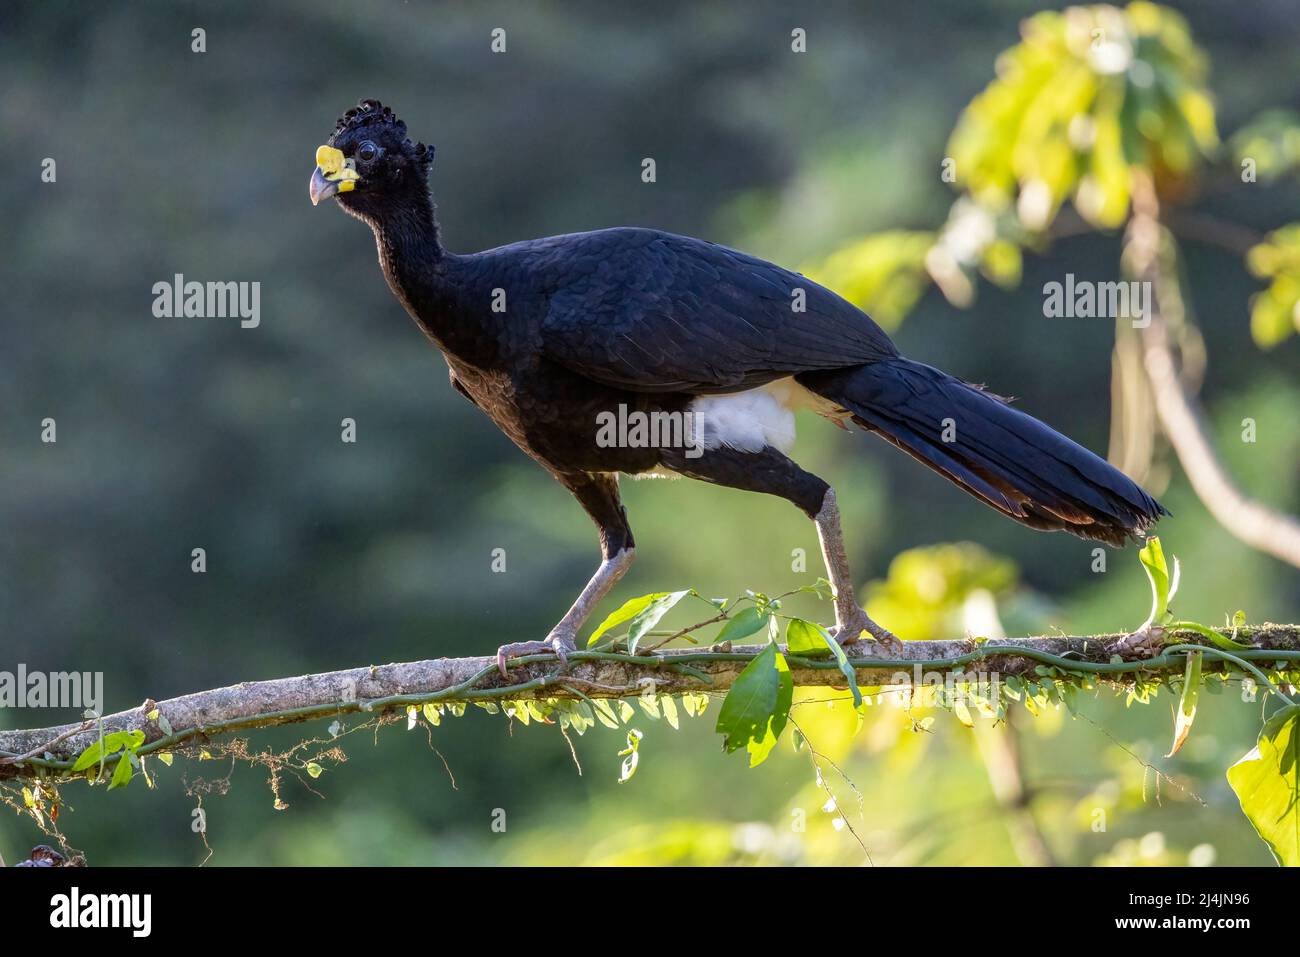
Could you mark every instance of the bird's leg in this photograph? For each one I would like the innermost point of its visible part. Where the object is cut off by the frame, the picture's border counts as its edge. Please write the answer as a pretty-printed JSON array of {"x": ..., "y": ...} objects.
[
  {"x": 850, "y": 620},
  {"x": 771, "y": 472},
  {"x": 563, "y": 638},
  {"x": 598, "y": 494}
]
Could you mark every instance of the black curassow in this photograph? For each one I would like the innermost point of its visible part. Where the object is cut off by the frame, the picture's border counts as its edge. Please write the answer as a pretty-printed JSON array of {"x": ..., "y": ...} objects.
[{"x": 552, "y": 337}]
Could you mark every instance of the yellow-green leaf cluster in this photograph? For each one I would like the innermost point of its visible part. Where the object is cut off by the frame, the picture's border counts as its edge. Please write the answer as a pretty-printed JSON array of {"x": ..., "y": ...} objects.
[
  {"x": 1268, "y": 147},
  {"x": 1275, "y": 312},
  {"x": 927, "y": 586},
  {"x": 882, "y": 274},
  {"x": 1089, "y": 95}
]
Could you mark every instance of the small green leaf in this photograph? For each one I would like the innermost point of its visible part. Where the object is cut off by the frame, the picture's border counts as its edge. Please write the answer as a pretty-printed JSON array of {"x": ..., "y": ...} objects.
[
  {"x": 760, "y": 749},
  {"x": 1208, "y": 633},
  {"x": 744, "y": 623},
  {"x": 1187, "y": 702},
  {"x": 1267, "y": 782},
  {"x": 122, "y": 773},
  {"x": 804, "y": 638},
  {"x": 629, "y": 610},
  {"x": 756, "y": 708},
  {"x": 649, "y": 617},
  {"x": 807, "y": 632},
  {"x": 670, "y": 711},
  {"x": 605, "y": 714},
  {"x": 694, "y": 703},
  {"x": 88, "y": 757},
  {"x": 631, "y": 756},
  {"x": 822, "y": 588},
  {"x": 123, "y": 739},
  {"x": 165, "y": 757},
  {"x": 314, "y": 769},
  {"x": 1152, "y": 557}
]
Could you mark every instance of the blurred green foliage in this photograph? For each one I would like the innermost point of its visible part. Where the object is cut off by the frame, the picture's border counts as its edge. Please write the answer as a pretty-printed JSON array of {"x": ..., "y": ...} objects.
[
  {"x": 1087, "y": 95},
  {"x": 1275, "y": 312},
  {"x": 885, "y": 270},
  {"x": 1269, "y": 146},
  {"x": 924, "y": 592}
]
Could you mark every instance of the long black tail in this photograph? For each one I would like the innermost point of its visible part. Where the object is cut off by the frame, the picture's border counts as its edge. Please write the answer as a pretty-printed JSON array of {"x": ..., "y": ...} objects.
[{"x": 1004, "y": 457}]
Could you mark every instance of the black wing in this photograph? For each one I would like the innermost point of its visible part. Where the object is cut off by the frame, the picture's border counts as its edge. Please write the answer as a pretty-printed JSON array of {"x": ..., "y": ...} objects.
[{"x": 653, "y": 312}]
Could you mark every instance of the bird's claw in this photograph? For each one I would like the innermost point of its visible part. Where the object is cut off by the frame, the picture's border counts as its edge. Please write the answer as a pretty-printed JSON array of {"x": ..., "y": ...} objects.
[
  {"x": 558, "y": 644},
  {"x": 849, "y": 631}
]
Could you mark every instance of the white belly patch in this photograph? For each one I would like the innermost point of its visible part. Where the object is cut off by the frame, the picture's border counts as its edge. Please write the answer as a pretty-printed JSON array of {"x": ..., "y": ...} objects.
[
  {"x": 745, "y": 421},
  {"x": 753, "y": 420}
]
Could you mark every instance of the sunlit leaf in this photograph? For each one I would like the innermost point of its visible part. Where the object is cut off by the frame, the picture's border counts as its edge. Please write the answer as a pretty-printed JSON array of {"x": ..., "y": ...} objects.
[
  {"x": 670, "y": 710},
  {"x": 1267, "y": 783},
  {"x": 1187, "y": 702},
  {"x": 631, "y": 756},
  {"x": 811, "y": 638},
  {"x": 760, "y": 748},
  {"x": 626, "y": 612},
  {"x": 804, "y": 638},
  {"x": 604, "y": 713},
  {"x": 1209, "y": 634},
  {"x": 88, "y": 757},
  {"x": 752, "y": 708},
  {"x": 122, "y": 773},
  {"x": 1152, "y": 557},
  {"x": 643, "y": 613}
]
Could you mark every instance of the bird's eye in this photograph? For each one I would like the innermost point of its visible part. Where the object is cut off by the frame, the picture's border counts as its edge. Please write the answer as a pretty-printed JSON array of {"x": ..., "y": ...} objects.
[{"x": 367, "y": 151}]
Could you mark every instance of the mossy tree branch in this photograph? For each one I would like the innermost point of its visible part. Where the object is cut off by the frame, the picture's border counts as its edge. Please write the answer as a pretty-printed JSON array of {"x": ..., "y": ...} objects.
[{"x": 201, "y": 716}]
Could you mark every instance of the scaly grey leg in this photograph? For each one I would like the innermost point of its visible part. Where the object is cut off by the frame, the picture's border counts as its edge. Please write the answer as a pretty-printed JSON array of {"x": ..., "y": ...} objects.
[{"x": 850, "y": 620}]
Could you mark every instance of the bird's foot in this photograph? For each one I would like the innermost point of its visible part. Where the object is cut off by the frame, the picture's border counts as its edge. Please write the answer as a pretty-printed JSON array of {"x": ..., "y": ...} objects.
[
  {"x": 559, "y": 642},
  {"x": 849, "y": 629}
]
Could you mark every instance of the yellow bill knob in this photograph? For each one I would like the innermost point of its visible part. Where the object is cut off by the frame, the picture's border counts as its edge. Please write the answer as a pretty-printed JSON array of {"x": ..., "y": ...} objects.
[{"x": 332, "y": 175}]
